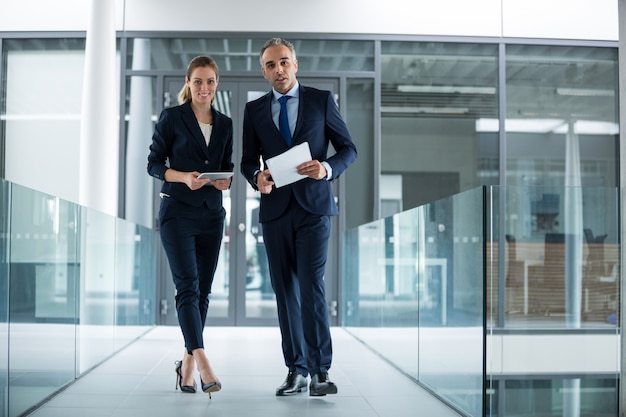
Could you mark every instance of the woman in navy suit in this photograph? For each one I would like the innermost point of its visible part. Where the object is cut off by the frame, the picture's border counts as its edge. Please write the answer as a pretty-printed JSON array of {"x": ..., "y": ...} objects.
[
  {"x": 296, "y": 217},
  {"x": 189, "y": 139}
]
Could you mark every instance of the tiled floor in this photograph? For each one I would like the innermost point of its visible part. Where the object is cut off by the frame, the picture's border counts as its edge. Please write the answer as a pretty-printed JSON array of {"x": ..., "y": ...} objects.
[{"x": 139, "y": 381}]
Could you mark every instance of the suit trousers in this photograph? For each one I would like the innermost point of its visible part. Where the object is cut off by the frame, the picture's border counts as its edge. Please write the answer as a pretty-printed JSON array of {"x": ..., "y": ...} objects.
[
  {"x": 297, "y": 249},
  {"x": 191, "y": 238}
]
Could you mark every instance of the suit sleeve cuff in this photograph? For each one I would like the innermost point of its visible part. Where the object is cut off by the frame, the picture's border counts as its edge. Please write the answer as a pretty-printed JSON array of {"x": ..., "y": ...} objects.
[{"x": 329, "y": 171}]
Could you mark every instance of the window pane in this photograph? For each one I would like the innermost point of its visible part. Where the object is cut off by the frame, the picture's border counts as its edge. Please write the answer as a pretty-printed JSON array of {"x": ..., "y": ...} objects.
[
  {"x": 432, "y": 96},
  {"x": 48, "y": 120},
  {"x": 359, "y": 193},
  {"x": 560, "y": 98},
  {"x": 243, "y": 54}
]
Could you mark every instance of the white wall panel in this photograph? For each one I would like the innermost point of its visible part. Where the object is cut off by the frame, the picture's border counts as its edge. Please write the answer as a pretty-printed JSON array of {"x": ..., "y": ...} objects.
[
  {"x": 50, "y": 15},
  {"x": 561, "y": 19},
  {"x": 553, "y": 354},
  {"x": 441, "y": 17},
  {"x": 42, "y": 129},
  {"x": 558, "y": 19}
]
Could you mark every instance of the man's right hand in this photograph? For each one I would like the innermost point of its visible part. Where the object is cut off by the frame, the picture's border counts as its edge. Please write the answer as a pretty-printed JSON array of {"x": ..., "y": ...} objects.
[{"x": 264, "y": 182}]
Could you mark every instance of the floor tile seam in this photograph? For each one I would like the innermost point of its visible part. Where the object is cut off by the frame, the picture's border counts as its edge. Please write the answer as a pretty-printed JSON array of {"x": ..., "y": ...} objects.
[
  {"x": 371, "y": 406},
  {"x": 52, "y": 405}
]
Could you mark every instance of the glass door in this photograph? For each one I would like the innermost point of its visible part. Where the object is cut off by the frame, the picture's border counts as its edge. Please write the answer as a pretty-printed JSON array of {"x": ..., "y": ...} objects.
[
  {"x": 251, "y": 290},
  {"x": 242, "y": 293}
]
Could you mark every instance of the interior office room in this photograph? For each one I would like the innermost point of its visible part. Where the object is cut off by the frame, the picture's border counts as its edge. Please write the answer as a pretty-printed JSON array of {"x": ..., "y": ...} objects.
[{"x": 474, "y": 267}]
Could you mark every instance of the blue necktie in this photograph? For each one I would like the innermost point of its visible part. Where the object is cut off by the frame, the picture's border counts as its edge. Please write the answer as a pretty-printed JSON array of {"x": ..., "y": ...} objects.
[{"x": 283, "y": 120}]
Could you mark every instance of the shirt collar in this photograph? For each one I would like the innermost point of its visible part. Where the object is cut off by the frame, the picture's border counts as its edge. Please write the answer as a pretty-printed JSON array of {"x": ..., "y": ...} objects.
[{"x": 294, "y": 92}]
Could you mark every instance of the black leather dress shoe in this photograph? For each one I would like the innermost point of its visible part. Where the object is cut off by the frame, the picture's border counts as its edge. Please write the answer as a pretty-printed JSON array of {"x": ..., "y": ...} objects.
[
  {"x": 294, "y": 383},
  {"x": 321, "y": 385}
]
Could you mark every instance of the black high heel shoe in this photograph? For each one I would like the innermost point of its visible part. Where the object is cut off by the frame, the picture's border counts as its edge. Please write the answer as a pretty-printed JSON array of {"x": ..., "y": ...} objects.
[
  {"x": 191, "y": 389},
  {"x": 210, "y": 387}
]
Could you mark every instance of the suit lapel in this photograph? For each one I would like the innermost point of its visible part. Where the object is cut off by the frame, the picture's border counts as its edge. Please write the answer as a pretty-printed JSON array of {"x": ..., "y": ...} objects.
[
  {"x": 267, "y": 109},
  {"x": 216, "y": 134},
  {"x": 266, "y": 120}
]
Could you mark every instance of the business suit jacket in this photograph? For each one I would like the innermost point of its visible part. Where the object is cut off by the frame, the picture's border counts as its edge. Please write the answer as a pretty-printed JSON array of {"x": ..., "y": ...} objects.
[
  {"x": 319, "y": 123},
  {"x": 178, "y": 139}
]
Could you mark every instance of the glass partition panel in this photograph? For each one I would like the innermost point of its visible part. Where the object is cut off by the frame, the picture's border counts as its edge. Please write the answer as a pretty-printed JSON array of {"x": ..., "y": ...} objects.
[
  {"x": 561, "y": 258},
  {"x": 380, "y": 288},
  {"x": 413, "y": 291},
  {"x": 5, "y": 249},
  {"x": 451, "y": 332},
  {"x": 364, "y": 286},
  {"x": 77, "y": 286},
  {"x": 43, "y": 271},
  {"x": 96, "y": 333},
  {"x": 554, "y": 288},
  {"x": 135, "y": 283}
]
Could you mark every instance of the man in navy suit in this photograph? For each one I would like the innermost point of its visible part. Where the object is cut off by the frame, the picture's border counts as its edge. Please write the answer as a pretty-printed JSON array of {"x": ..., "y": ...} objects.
[{"x": 296, "y": 218}]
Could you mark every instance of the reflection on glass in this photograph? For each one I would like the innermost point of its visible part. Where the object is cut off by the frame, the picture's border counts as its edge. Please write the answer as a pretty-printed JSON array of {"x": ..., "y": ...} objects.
[{"x": 555, "y": 275}]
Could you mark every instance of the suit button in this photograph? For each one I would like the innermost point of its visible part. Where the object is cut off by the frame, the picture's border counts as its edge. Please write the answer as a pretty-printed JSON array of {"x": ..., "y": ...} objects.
[{"x": 206, "y": 162}]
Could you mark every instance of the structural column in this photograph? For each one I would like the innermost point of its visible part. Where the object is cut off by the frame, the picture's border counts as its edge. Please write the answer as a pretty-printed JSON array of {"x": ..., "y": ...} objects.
[
  {"x": 99, "y": 138},
  {"x": 573, "y": 230},
  {"x": 622, "y": 195},
  {"x": 139, "y": 185},
  {"x": 573, "y": 256}
]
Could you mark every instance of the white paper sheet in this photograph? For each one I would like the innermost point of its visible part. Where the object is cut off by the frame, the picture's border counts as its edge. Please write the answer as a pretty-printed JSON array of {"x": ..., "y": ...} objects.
[{"x": 283, "y": 167}]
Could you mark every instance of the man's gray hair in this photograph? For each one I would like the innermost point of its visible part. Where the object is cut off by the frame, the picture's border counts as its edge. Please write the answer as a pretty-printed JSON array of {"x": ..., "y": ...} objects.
[{"x": 277, "y": 42}]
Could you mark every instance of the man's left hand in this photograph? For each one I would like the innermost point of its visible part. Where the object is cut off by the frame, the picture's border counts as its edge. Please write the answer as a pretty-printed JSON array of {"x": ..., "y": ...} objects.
[{"x": 312, "y": 169}]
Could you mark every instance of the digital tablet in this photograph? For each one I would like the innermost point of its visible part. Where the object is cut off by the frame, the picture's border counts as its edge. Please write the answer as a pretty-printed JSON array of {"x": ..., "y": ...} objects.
[{"x": 215, "y": 175}]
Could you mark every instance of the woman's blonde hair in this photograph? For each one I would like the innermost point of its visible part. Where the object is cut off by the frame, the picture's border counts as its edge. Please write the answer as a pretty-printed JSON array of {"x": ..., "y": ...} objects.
[{"x": 184, "y": 95}]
